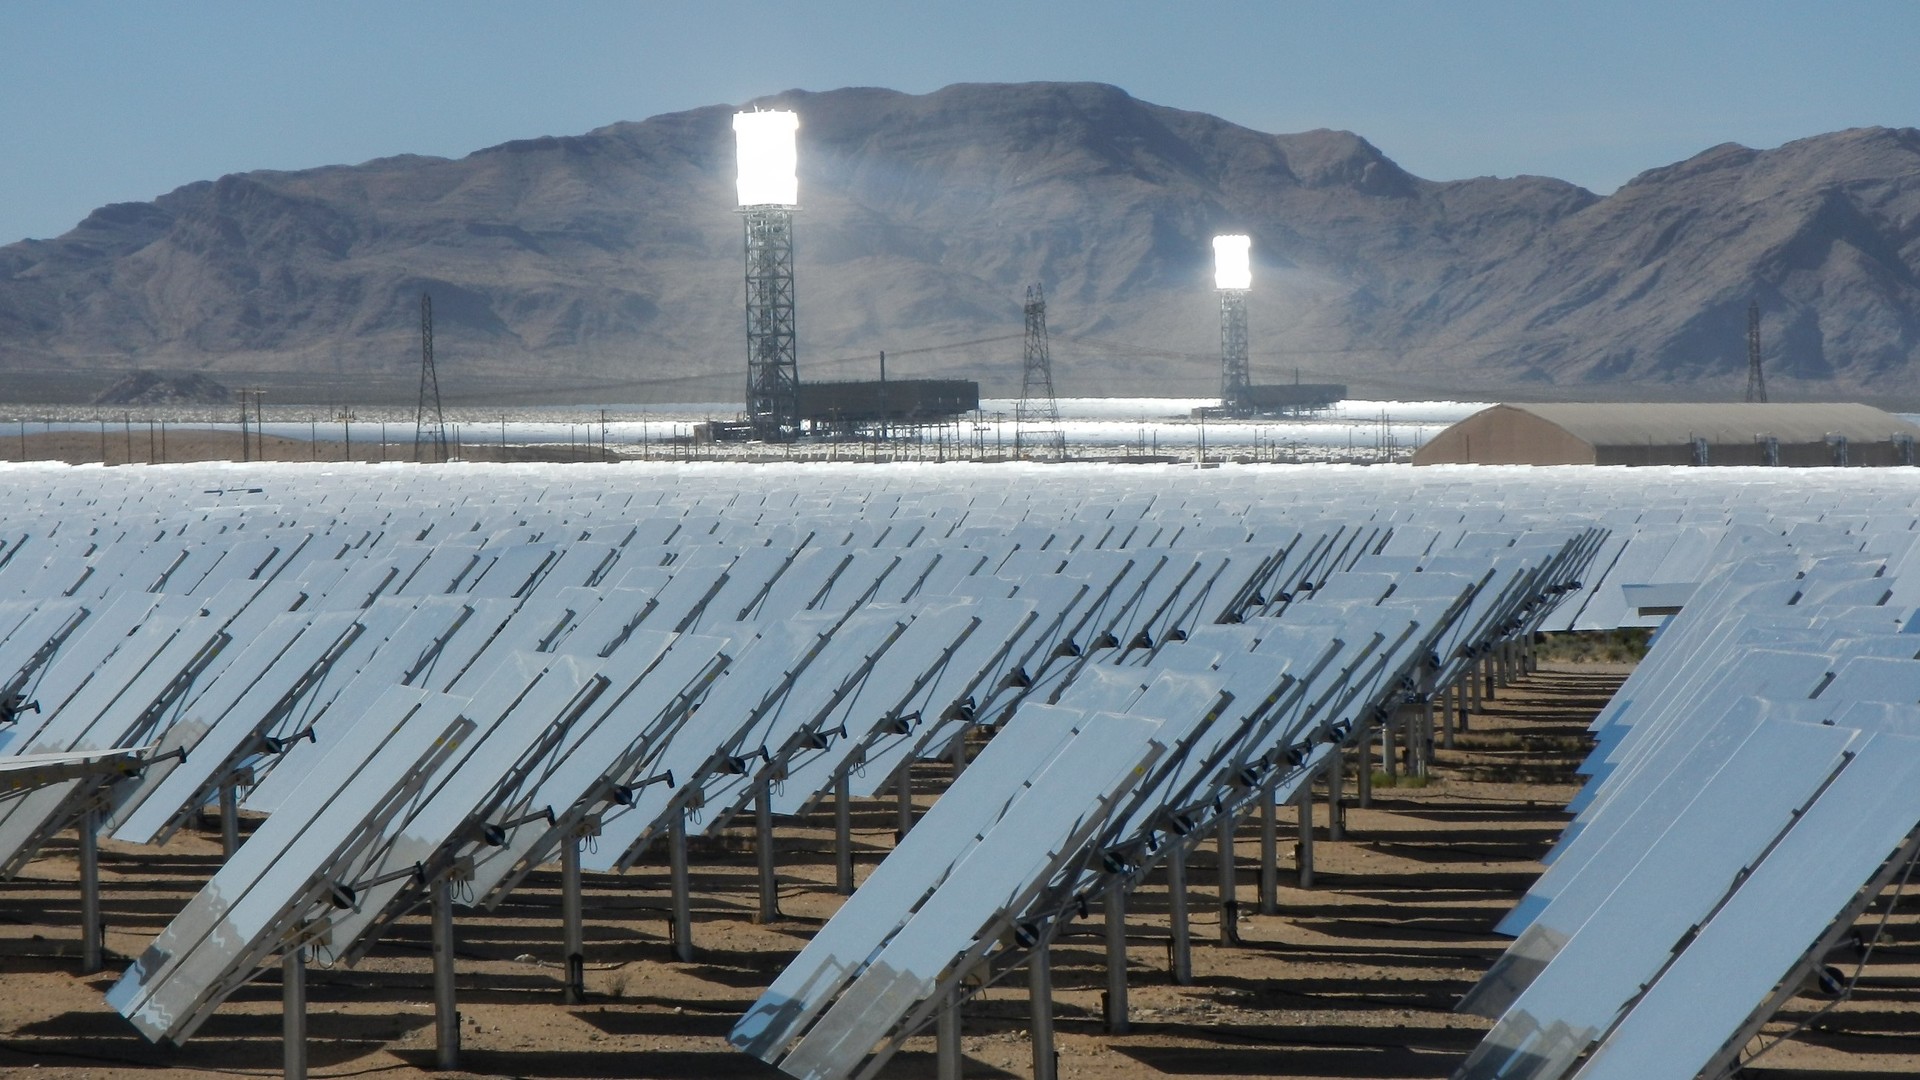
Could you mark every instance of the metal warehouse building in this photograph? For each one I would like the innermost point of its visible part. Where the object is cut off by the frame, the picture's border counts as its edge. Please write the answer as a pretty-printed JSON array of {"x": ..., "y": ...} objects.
[{"x": 1675, "y": 434}]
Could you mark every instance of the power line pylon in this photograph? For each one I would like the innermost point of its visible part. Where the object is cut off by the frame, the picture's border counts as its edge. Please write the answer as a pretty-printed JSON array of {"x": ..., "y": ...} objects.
[
  {"x": 429, "y": 434},
  {"x": 1756, "y": 376},
  {"x": 1036, "y": 420}
]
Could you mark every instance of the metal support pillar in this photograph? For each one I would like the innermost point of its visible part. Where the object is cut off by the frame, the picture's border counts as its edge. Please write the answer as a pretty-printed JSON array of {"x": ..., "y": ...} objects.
[
  {"x": 1389, "y": 758},
  {"x": 1181, "y": 942},
  {"x": 1040, "y": 1006},
  {"x": 1421, "y": 747},
  {"x": 1116, "y": 1005},
  {"x": 1229, "y": 889},
  {"x": 1269, "y": 853},
  {"x": 92, "y": 933},
  {"x": 1486, "y": 668},
  {"x": 446, "y": 1013},
  {"x": 903, "y": 798},
  {"x": 842, "y": 833},
  {"x": 947, "y": 1036},
  {"x": 763, "y": 822},
  {"x": 1336, "y": 795},
  {"x": 682, "y": 901},
  {"x": 229, "y": 820},
  {"x": 293, "y": 1013},
  {"x": 1460, "y": 702},
  {"x": 571, "y": 920},
  {"x": 958, "y": 754},
  {"x": 1446, "y": 717},
  {"x": 1475, "y": 703},
  {"x": 1305, "y": 859},
  {"x": 1363, "y": 775}
]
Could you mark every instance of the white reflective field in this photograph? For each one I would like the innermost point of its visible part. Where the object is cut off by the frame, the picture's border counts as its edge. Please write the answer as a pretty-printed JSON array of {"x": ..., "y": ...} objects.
[{"x": 587, "y": 630}]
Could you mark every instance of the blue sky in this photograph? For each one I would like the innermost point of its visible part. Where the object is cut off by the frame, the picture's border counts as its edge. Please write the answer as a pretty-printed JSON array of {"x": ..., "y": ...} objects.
[{"x": 107, "y": 102}]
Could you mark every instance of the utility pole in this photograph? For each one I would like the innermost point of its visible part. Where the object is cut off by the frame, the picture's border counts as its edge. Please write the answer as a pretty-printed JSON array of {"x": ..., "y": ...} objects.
[{"x": 254, "y": 446}]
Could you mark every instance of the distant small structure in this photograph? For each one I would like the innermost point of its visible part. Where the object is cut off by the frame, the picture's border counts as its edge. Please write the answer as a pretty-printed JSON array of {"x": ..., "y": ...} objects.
[
  {"x": 849, "y": 408},
  {"x": 1277, "y": 399},
  {"x": 164, "y": 388},
  {"x": 1294, "y": 399},
  {"x": 429, "y": 430},
  {"x": 1811, "y": 434},
  {"x": 1756, "y": 375},
  {"x": 1036, "y": 417}
]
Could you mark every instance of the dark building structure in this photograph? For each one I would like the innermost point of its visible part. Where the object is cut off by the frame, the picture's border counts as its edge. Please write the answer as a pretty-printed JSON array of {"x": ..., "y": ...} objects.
[{"x": 850, "y": 407}]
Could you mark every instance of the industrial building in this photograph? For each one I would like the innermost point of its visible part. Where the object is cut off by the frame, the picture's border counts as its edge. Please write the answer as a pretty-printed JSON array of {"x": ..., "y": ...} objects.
[
  {"x": 1811, "y": 434},
  {"x": 1293, "y": 399},
  {"x": 850, "y": 407}
]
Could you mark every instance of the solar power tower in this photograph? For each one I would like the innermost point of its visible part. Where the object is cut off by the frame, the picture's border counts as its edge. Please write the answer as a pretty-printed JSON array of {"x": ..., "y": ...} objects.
[
  {"x": 1036, "y": 420},
  {"x": 1756, "y": 375},
  {"x": 769, "y": 187},
  {"x": 1233, "y": 276}
]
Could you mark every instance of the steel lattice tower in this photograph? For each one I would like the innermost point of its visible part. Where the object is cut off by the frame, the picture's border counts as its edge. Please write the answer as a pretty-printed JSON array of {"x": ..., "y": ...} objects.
[
  {"x": 1756, "y": 376},
  {"x": 1235, "y": 398},
  {"x": 773, "y": 370},
  {"x": 429, "y": 433},
  {"x": 1036, "y": 420}
]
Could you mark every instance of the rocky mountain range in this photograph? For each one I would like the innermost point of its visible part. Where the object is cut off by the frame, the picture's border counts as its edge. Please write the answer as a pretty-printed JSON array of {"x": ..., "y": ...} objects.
[{"x": 607, "y": 266}]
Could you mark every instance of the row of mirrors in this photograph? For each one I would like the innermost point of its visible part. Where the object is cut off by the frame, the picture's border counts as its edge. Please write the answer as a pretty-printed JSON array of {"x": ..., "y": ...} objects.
[{"x": 419, "y": 684}]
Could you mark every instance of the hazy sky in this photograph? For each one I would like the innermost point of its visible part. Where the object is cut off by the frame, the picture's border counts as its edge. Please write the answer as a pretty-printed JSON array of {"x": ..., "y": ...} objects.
[{"x": 107, "y": 102}]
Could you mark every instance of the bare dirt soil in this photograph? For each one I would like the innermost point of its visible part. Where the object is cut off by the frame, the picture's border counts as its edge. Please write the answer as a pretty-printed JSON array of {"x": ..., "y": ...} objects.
[{"x": 1355, "y": 977}]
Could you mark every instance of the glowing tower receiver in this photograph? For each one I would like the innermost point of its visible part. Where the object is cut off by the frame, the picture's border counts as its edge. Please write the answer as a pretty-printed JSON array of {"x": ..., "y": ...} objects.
[
  {"x": 769, "y": 159},
  {"x": 769, "y": 187},
  {"x": 1233, "y": 276}
]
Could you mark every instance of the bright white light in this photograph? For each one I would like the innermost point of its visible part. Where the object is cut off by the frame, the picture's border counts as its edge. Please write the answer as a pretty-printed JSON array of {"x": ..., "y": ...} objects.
[
  {"x": 768, "y": 160},
  {"x": 1232, "y": 267}
]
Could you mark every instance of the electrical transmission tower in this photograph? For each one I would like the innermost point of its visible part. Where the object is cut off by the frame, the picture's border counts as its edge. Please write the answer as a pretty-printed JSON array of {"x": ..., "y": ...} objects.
[
  {"x": 1036, "y": 420},
  {"x": 429, "y": 433},
  {"x": 1756, "y": 377}
]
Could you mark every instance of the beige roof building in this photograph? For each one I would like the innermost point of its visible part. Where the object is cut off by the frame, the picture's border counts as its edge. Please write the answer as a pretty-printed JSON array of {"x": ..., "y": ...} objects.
[{"x": 1670, "y": 434}]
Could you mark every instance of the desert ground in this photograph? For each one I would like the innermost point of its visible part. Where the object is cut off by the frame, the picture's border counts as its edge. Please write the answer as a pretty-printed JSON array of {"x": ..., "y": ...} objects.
[{"x": 1354, "y": 977}]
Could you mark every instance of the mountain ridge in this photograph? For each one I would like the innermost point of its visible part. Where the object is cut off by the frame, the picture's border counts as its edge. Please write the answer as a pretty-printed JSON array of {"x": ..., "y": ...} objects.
[{"x": 608, "y": 263}]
